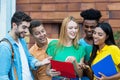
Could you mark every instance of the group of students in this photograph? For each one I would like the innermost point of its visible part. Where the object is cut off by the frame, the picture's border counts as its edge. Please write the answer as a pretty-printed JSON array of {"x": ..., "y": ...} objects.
[{"x": 97, "y": 43}]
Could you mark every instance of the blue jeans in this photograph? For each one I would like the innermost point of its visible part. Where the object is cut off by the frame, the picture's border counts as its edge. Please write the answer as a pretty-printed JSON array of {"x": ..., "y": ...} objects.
[
  {"x": 85, "y": 78},
  {"x": 58, "y": 78},
  {"x": 74, "y": 78}
]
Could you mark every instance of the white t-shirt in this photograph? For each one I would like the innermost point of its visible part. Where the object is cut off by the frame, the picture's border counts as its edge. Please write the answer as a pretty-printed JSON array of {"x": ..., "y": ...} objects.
[{"x": 26, "y": 74}]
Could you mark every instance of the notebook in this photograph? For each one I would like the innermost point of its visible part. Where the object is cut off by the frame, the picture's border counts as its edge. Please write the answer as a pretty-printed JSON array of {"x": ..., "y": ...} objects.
[
  {"x": 66, "y": 68},
  {"x": 105, "y": 66}
]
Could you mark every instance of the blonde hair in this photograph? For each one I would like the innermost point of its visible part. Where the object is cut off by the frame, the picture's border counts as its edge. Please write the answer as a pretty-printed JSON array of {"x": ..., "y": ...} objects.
[{"x": 63, "y": 33}]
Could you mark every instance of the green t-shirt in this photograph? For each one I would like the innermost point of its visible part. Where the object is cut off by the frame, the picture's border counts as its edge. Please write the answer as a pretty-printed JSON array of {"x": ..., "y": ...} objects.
[{"x": 62, "y": 54}]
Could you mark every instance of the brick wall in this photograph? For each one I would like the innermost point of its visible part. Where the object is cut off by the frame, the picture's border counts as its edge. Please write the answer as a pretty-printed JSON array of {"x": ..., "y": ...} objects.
[{"x": 52, "y": 12}]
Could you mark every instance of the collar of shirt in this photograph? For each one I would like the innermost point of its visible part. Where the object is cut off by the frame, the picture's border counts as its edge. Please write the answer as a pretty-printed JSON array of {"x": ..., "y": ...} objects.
[
  {"x": 103, "y": 49},
  {"x": 36, "y": 47}
]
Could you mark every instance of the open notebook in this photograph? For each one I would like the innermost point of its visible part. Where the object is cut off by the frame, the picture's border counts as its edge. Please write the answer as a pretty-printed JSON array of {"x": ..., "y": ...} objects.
[
  {"x": 66, "y": 68},
  {"x": 105, "y": 66}
]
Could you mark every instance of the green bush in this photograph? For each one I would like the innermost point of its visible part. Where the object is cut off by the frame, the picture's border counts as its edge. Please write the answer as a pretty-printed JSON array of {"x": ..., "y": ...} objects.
[{"x": 117, "y": 38}]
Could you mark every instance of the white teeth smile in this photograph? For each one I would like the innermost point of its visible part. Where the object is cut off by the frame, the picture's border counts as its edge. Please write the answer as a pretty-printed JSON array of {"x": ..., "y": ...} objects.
[
  {"x": 95, "y": 40},
  {"x": 72, "y": 34},
  {"x": 89, "y": 32}
]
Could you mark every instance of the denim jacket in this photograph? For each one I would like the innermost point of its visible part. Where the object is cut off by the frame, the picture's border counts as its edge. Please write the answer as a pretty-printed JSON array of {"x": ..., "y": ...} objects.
[{"x": 6, "y": 67}]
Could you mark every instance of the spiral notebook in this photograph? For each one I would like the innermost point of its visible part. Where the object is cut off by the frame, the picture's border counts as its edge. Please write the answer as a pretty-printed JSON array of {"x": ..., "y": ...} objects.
[
  {"x": 66, "y": 68},
  {"x": 105, "y": 66}
]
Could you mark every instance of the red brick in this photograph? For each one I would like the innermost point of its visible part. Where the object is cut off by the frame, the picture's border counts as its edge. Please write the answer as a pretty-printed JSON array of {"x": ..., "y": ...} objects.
[
  {"x": 52, "y": 12},
  {"x": 114, "y": 6},
  {"x": 114, "y": 0},
  {"x": 61, "y": 7},
  {"x": 24, "y": 7},
  {"x": 114, "y": 14},
  {"x": 101, "y": 1},
  {"x": 60, "y": 15},
  {"x": 27, "y": 12},
  {"x": 116, "y": 29},
  {"x": 105, "y": 14},
  {"x": 101, "y": 6},
  {"x": 52, "y": 28},
  {"x": 75, "y": 14},
  {"x": 74, "y": 1},
  {"x": 36, "y": 15},
  {"x": 48, "y": 28},
  {"x": 42, "y": 1},
  {"x": 55, "y": 29},
  {"x": 54, "y": 35},
  {"x": 48, "y": 7},
  {"x": 48, "y": 15},
  {"x": 36, "y": 7},
  {"x": 61, "y": 1},
  {"x": 22, "y": 1},
  {"x": 49, "y": 35},
  {"x": 87, "y": 0},
  {"x": 42, "y": 15},
  {"x": 85, "y": 6},
  {"x": 114, "y": 22},
  {"x": 74, "y": 7}
]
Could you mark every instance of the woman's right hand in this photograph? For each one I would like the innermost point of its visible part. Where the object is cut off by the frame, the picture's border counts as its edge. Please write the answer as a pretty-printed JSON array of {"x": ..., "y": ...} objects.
[
  {"x": 83, "y": 66},
  {"x": 53, "y": 72},
  {"x": 71, "y": 59}
]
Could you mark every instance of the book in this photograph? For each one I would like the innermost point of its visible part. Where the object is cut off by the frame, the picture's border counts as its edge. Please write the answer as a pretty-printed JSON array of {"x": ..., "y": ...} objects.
[
  {"x": 66, "y": 68},
  {"x": 105, "y": 66}
]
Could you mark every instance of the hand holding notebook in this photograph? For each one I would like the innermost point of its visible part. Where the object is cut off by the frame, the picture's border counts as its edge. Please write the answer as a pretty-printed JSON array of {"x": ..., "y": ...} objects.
[
  {"x": 66, "y": 68},
  {"x": 106, "y": 66}
]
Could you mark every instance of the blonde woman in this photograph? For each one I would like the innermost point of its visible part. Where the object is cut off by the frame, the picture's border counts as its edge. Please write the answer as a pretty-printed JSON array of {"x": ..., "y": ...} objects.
[{"x": 67, "y": 47}]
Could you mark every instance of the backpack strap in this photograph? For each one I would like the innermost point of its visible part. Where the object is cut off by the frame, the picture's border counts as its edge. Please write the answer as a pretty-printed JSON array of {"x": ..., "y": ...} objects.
[{"x": 6, "y": 40}]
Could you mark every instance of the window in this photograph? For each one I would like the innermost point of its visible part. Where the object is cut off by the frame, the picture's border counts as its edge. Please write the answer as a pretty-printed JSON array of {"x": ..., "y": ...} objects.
[{"x": 7, "y": 8}]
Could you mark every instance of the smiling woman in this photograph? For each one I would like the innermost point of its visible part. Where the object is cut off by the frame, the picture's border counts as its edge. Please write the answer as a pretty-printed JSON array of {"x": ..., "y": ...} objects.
[
  {"x": 104, "y": 45},
  {"x": 67, "y": 49}
]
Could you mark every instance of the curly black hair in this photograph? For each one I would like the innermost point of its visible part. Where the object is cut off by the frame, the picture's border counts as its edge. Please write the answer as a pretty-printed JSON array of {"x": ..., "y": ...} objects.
[{"x": 91, "y": 14}]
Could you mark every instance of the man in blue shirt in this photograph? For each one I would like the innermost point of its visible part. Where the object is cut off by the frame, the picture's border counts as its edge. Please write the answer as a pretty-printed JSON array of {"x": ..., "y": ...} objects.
[
  {"x": 18, "y": 67},
  {"x": 90, "y": 20}
]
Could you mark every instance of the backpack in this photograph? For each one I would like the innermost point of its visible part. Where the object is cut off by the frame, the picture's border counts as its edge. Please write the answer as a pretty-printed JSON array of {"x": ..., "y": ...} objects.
[{"x": 6, "y": 40}]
